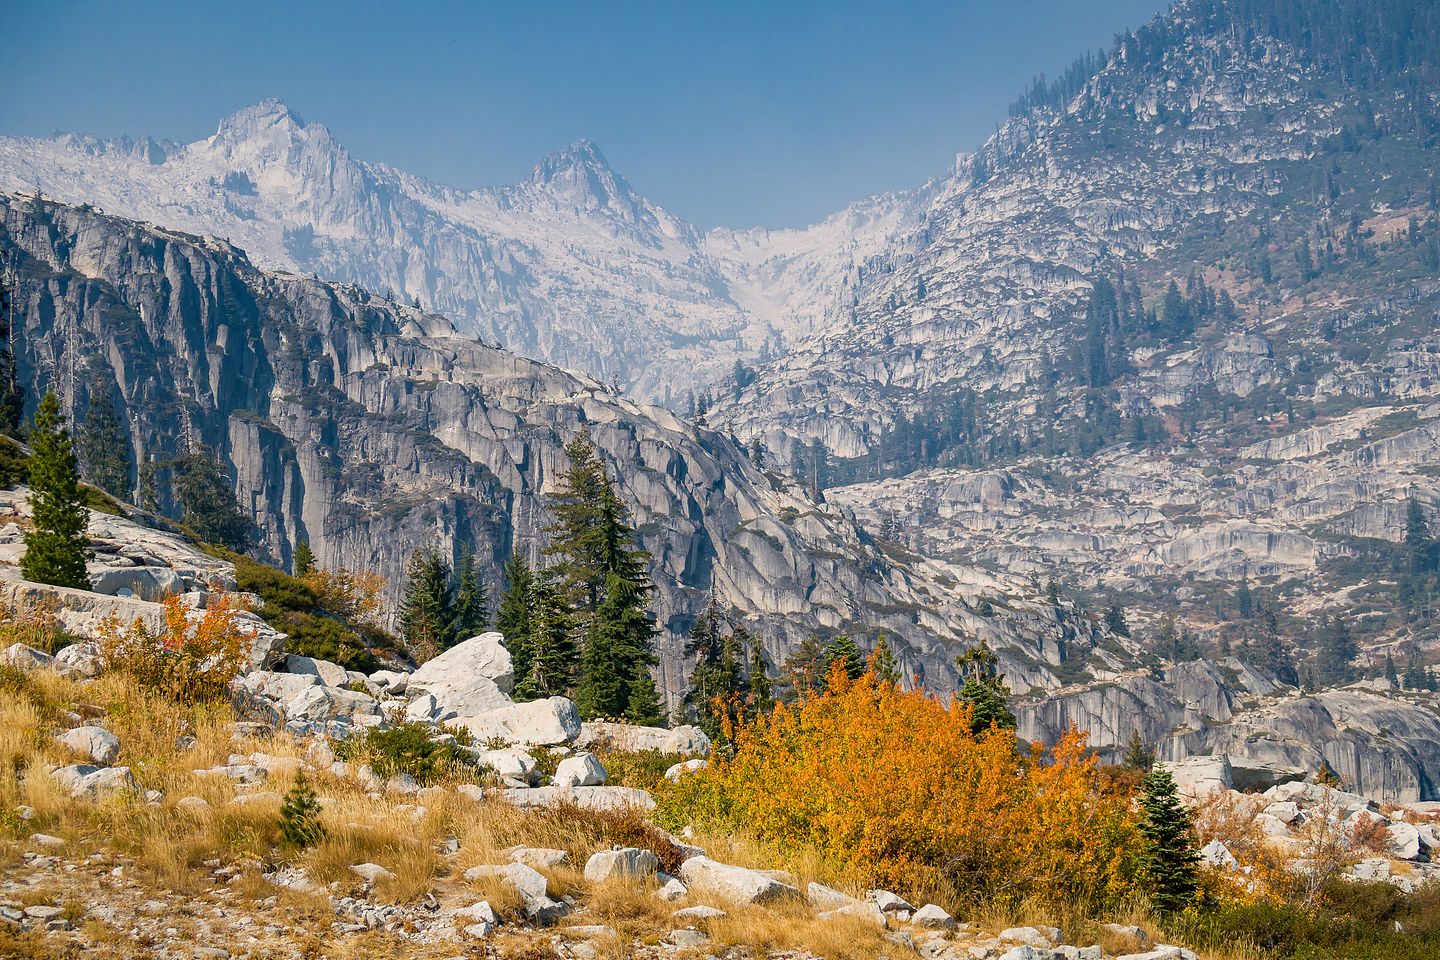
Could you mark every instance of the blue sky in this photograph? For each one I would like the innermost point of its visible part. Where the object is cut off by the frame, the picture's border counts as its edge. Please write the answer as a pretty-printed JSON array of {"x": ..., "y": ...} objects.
[{"x": 733, "y": 113}]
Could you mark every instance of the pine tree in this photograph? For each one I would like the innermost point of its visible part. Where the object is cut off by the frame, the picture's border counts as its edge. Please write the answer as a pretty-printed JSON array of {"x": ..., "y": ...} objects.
[
  {"x": 515, "y": 616},
  {"x": 55, "y": 547},
  {"x": 603, "y": 577},
  {"x": 807, "y": 667},
  {"x": 1170, "y": 860},
  {"x": 103, "y": 448},
  {"x": 427, "y": 608},
  {"x": 300, "y": 823},
  {"x": 303, "y": 560},
  {"x": 147, "y": 497},
  {"x": 576, "y": 544},
  {"x": 1115, "y": 619},
  {"x": 1137, "y": 756},
  {"x": 1419, "y": 547},
  {"x": 551, "y": 654},
  {"x": 1391, "y": 677},
  {"x": 883, "y": 663},
  {"x": 984, "y": 689},
  {"x": 472, "y": 609},
  {"x": 844, "y": 654},
  {"x": 209, "y": 505},
  {"x": 1244, "y": 600},
  {"x": 1337, "y": 650},
  {"x": 758, "y": 680},
  {"x": 12, "y": 395}
]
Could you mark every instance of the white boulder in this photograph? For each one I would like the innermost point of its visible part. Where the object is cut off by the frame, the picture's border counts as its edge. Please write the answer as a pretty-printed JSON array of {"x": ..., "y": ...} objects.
[
  {"x": 629, "y": 863},
  {"x": 539, "y": 723},
  {"x": 330, "y": 674},
  {"x": 736, "y": 884},
  {"x": 482, "y": 656},
  {"x": 97, "y": 743},
  {"x": 580, "y": 770}
]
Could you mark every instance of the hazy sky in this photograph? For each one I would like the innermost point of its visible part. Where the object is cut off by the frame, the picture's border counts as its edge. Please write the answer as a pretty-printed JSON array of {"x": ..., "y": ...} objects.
[{"x": 736, "y": 113}]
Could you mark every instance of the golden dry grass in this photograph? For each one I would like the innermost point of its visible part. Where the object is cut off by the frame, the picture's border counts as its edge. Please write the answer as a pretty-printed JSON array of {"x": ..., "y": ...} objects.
[{"x": 170, "y": 845}]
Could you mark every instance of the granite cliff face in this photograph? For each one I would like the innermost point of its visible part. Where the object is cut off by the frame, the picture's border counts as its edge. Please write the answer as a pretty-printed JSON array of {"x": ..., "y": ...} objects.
[{"x": 371, "y": 428}]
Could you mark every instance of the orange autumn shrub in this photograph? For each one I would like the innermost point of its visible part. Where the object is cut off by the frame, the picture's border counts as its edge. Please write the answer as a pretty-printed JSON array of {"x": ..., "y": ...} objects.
[
  {"x": 351, "y": 594},
  {"x": 189, "y": 661},
  {"x": 894, "y": 790}
]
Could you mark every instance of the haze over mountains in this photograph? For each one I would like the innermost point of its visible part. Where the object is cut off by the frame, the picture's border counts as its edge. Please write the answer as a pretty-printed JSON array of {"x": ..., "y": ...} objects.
[
  {"x": 570, "y": 266},
  {"x": 1169, "y": 338}
]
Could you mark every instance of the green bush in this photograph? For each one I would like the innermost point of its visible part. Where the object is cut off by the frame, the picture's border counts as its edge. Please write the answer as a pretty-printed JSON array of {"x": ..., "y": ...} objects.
[
  {"x": 300, "y": 815},
  {"x": 280, "y": 591},
  {"x": 1358, "y": 922},
  {"x": 14, "y": 464},
  {"x": 312, "y": 635},
  {"x": 410, "y": 748},
  {"x": 644, "y": 769}
]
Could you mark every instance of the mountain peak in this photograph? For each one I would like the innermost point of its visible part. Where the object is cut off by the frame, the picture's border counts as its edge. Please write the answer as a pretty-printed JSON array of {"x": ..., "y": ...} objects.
[
  {"x": 257, "y": 117},
  {"x": 583, "y": 154}
]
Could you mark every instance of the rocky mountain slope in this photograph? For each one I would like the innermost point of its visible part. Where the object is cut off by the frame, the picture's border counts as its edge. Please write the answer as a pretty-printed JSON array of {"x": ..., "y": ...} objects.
[
  {"x": 570, "y": 266},
  {"x": 371, "y": 429}
]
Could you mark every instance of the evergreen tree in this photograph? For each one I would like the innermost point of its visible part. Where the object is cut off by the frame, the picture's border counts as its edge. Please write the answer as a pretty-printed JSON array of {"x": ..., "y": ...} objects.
[
  {"x": 1137, "y": 755},
  {"x": 148, "y": 496},
  {"x": 1115, "y": 619},
  {"x": 984, "y": 689},
  {"x": 103, "y": 447},
  {"x": 1414, "y": 676},
  {"x": 758, "y": 680},
  {"x": 303, "y": 560},
  {"x": 208, "y": 504},
  {"x": 807, "y": 667},
  {"x": 1244, "y": 600},
  {"x": 1419, "y": 547},
  {"x": 604, "y": 578},
  {"x": 12, "y": 395},
  {"x": 1169, "y": 860},
  {"x": 516, "y": 615},
  {"x": 577, "y": 542},
  {"x": 55, "y": 547},
  {"x": 300, "y": 824},
  {"x": 1337, "y": 649},
  {"x": 843, "y": 653},
  {"x": 472, "y": 609},
  {"x": 883, "y": 663},
  {"x": 1391, "y": 677},
  {"x": 551, "y": 654},
  {"x": 427, "y": 608}
]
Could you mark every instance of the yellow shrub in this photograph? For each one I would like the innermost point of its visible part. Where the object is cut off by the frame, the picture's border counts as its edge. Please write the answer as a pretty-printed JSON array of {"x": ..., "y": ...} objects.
[
  {"x": 894, "y": 789},
  {"x": 351, "y": 594},
  {"x": 187, "y": 661}
]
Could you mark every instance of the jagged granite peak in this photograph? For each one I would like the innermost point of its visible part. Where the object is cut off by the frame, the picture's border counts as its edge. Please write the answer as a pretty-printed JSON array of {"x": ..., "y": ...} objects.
[
  {"x": 370, "y": 428},
  {"x": 571, "y": 265}
]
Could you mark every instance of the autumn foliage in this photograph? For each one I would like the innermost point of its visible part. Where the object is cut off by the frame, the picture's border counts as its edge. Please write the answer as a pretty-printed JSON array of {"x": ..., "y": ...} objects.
[
  {"x": 894, "y": 789},
  {"x": 190, "y": 660},
  {"x": 354, "y": 595}
]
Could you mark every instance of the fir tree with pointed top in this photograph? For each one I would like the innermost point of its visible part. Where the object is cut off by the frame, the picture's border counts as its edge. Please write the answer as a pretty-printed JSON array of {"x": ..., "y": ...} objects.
[
  {"x": 1169, "y": 862},
  {"x": 472, "y": 609},
  {"x": 761, "y": 690},
  {"x": 12, "y": 395},
  {"x": 516, "y": 615},
  {"x": 103, "y": 447},
  {"x": 55, "y": 547},
  {"x": 883, "y": 663},
  {"x": 1137, "y": 755},
  {"x": 984, "y": 689},
  {"x": 1391, "y": 677},
  {"x": 551, "y": 654},
  {"x": 427, "y": 608},
  {"x": 843, "y": 653},
  {"x": 303, "y": 560}
]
